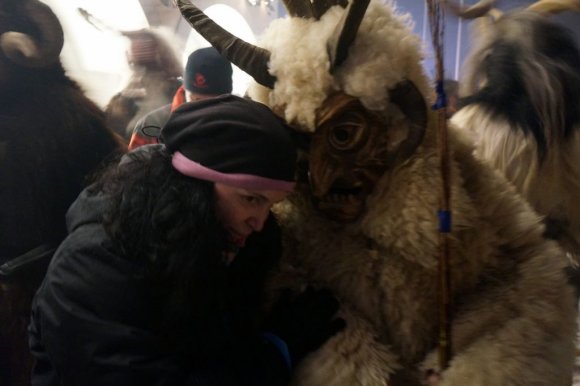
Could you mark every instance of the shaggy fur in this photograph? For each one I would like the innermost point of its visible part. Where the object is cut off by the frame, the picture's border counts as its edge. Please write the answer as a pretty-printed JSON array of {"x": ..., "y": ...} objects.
[
  {"x": 525, "y": 119},
  {"x": 52, "y": 138},
  {"x": 514, "y": 313},
  {"x": 384, "y": 39}
]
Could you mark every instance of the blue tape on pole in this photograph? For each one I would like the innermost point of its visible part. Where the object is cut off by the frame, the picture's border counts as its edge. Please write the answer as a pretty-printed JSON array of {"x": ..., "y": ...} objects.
[
  {"x": 281, "y": 346},
  {"x": 441, "y": 97},
  {"x": 444, "y": 221}
]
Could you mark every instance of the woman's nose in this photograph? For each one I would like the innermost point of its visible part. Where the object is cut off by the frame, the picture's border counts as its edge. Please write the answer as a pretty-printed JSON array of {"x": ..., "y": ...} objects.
[{"x": 257, "y": 221}]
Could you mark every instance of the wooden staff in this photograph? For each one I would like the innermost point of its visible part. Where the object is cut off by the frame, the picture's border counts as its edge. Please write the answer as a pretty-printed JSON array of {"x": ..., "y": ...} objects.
[{"x": 436, "y": 20}]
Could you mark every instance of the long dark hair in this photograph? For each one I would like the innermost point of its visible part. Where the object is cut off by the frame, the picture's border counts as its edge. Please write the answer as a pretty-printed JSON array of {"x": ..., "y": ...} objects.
[
  {"x": 156, "y": 214},
  {"x": 168, "y": 221}
]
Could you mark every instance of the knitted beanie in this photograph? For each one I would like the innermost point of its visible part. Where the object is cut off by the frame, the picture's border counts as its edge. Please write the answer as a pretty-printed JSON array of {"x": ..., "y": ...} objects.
[
  {"x": 207, "y": 73},
  {"x": 231, "y": 140}
]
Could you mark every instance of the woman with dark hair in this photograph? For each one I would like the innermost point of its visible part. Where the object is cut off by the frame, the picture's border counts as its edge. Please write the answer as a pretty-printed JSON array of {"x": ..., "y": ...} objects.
[{"x": 160, "y": 279}]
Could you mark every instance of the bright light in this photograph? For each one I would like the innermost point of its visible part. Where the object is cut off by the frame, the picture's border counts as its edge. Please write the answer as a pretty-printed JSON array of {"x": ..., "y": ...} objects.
[
  {"x": 95, "y": 52},
  {"x": 125, "y": 15},
  {"x": 231, "y": 20}
]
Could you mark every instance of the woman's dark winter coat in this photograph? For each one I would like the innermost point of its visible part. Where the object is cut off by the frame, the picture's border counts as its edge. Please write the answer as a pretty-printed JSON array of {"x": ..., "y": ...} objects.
[{"x": 99, "y": 320}]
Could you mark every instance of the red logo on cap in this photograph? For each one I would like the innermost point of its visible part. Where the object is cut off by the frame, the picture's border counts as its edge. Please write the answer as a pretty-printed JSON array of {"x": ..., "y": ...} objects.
[{"x": 200, "y": 81}]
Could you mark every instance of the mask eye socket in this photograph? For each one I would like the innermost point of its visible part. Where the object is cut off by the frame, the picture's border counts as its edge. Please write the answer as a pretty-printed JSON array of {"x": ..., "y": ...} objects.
[{"x": 349, "y": 134}]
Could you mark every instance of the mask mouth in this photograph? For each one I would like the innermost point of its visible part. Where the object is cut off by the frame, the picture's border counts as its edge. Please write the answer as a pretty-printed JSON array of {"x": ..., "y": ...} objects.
[{"x": 342, "y": 204}]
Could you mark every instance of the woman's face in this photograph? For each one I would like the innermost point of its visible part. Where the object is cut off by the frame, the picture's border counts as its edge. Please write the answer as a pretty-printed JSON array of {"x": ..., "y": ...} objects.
[{"x": 243, "y": 211}]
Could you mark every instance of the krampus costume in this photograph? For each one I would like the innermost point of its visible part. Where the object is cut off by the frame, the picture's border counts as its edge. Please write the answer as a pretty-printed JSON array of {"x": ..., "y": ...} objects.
[
  {"x": 52, "y": 137},
  {"x": 521, "y": 88},
  {"x": 365, "y": 223}
]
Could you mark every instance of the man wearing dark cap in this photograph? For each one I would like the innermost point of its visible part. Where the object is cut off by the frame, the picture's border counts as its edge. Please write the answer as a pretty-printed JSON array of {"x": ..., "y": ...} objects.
[
  {"x": 160, "y": 280},
  {"x": 207, "y": 74}
]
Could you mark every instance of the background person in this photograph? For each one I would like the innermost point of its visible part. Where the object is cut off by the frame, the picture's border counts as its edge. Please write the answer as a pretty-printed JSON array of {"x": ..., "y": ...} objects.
[
  {"x": 155, "y": 71},
  {"x": 207, "y": 74}
]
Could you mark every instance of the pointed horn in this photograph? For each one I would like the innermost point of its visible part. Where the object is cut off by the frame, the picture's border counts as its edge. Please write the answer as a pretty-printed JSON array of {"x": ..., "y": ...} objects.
[
  {"x": 321, "y": 6},
  {"x": 479, "y": 9},
  {"x": 346, "y": 31},
  {"x": 250, "y": 58},
  {"x": 24, "y": 50},
  {"x": 299, "y": 8},
  {"x": 550, "y": 7},
  {"x": 311, "y": 9}
]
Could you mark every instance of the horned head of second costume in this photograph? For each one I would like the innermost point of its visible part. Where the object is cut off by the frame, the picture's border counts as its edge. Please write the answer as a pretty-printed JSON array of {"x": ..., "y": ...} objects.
[
  {"x": 347, "y": 74},
  {"x": 526, "y": 54},
  {"x": 31, "y": 38}
]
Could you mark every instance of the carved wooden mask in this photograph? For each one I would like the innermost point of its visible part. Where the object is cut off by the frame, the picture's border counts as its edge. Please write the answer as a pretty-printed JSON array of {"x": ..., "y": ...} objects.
[{"x": 353, "y": 147}]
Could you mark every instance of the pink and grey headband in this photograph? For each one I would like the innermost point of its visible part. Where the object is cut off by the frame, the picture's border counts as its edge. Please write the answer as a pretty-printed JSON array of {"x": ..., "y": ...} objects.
[{"x": 231, "y": 140}]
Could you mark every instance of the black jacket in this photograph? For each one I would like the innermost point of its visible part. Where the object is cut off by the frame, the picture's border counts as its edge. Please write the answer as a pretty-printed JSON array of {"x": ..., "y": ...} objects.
[{"x": 96, "y": 322}]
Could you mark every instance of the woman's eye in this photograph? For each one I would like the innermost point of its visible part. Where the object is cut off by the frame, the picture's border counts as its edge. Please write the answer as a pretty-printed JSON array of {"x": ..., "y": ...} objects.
[{"x": 251, "y": 199}]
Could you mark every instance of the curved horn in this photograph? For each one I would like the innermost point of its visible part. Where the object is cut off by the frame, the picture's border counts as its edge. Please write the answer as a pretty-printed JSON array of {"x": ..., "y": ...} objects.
[
  {"x": 250, "y": 58},
  {"x": 495, "y": 14},
  {"x": 550, "y": 7},
  {"x": 479, "y": 9},
  {"x": 24, "y": 50},
  {"x": 346, "y": 31}
]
